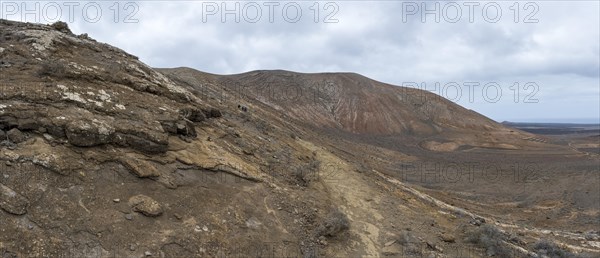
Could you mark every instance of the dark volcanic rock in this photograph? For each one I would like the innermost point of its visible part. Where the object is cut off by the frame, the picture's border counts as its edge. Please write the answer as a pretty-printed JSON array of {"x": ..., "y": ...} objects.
[
  {"x": 12, "y": 202},
  {"x": 213, "y": 113},
  {"x": 181, "y": 127},
  {"x": 15, "y": 135},
  {"x": 56, "y": 131},
  {"x": 7, "y": 122},
  {"x": 28, "y": 124},
  {"x": 192, "y": 114},
  {"x": 186, "y": 128}
]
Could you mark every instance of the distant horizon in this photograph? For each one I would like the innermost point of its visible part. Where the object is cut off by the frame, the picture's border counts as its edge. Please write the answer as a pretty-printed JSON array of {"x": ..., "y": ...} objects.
[{"x": 590, "y": 121}]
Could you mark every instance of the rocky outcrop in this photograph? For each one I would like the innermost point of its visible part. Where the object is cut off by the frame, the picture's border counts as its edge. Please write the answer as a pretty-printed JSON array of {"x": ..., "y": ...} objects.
[
  {"x": 89, "y": 133},
  {"x": 214, "y": 113},
  {"x": 194, "y": 115},
  {"x": 100, "y": 95},
  {"x": 182, "y": 127},
  {"x": 62, "y": 27},
  {"x": 112, "y": 146}
]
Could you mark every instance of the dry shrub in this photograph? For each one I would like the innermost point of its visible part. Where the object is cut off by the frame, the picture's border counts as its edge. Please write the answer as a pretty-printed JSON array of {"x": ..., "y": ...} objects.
[{"x": 334, "y": 224}]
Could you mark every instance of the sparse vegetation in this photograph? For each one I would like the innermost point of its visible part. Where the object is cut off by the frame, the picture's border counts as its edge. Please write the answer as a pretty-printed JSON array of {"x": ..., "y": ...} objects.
[
  {"x": 410, "y": 244},
  {"x": 307, "y": 172},
  {"x": 491, "y": 239},
  {"x": 100, "y": 147},
  {"x": 547, "y": 248},
  {"x": 334, "y": 224},
  {"x": 61, "y": 26}
]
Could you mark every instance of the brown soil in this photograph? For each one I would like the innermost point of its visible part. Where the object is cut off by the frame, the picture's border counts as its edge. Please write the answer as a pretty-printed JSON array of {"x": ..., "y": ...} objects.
[{"x": 104, "y": 156}]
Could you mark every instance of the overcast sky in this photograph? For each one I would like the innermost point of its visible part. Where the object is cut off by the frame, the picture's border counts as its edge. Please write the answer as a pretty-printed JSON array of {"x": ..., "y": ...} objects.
[{"x": 544, "y": 57}]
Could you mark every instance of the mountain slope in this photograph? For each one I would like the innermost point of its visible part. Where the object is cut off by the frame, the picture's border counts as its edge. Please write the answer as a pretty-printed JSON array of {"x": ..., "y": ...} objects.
[
  {"x": 358, "y": 104},
  {"x": 102, "y": 155},
  {"x": 351, "y": 103}
]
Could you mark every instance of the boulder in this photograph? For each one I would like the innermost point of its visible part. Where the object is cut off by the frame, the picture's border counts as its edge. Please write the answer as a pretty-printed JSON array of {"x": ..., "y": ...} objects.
[
  {"x": 28, "y": 124},
  {"x": 182, "y": 127},
  {"x": 12, "y": 202},
  {"x": 186, "y": 128},
  {"x": 145, "y": 205},
  {"x": 2, "y": 135},
  {"x": 192, "y": 114},
  {"x": 84, "y": 36},
  {"x": 7, "y": 122},
  {"x": 15, "y": 135},
  {"x": 56, "y": 131},
  {"x": 198, "y": 116},
  {"x": 213, "y": 113},
  {"x": 448, "y": 238},
  {"x": 169, "y": 127}
]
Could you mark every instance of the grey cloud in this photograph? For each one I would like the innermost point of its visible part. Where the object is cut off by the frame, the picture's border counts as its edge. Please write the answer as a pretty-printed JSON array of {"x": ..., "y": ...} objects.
[{"x": 371, "y": 38}]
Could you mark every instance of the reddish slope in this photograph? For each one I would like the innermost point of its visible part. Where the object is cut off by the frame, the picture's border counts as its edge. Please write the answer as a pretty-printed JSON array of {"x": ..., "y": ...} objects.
[{"x": 357, "y": 104}]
